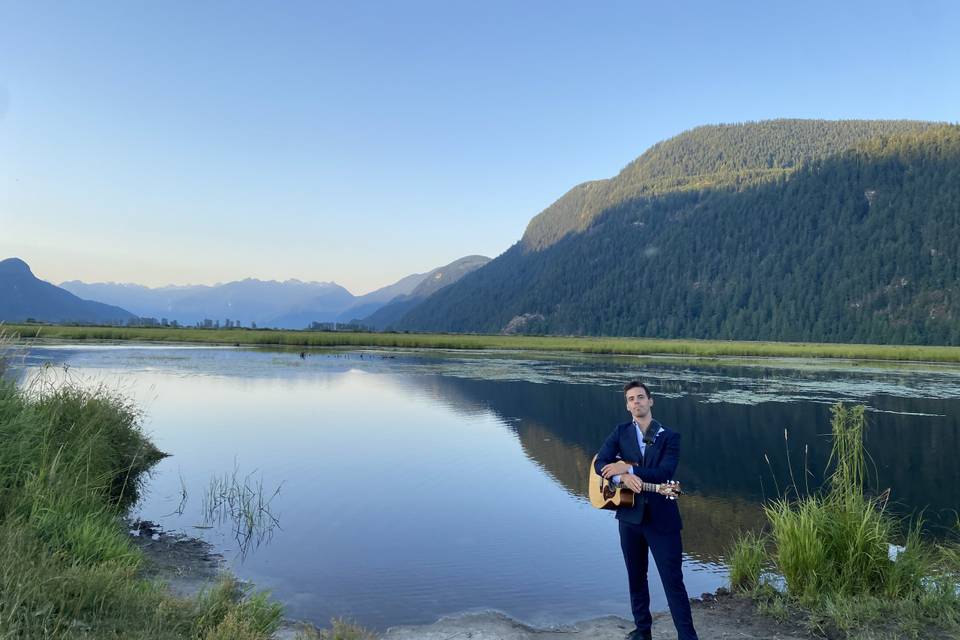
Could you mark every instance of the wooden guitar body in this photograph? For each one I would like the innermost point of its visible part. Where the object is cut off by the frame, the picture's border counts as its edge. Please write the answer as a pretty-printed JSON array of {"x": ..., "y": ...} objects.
[{"x": 604, "y": 494}]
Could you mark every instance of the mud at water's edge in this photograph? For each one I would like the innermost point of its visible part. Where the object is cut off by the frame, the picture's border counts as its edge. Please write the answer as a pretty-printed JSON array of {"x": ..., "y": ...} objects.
[{"x": 186, "y": 565}]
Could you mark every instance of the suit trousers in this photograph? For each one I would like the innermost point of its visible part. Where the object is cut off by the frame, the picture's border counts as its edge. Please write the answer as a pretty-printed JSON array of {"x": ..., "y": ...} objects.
[{"x": 667, "y": 550}]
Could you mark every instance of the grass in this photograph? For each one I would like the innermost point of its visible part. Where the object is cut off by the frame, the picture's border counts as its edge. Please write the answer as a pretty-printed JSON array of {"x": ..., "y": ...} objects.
[
  {"x": 833, "y": 551},
  {"x": 746, "y": 560},
  {"x": 70, "y": 465},
  {"x": 339, "y": 630},
  {"x": 243, "y": 503},
  {"x": 598, "y": 345}
]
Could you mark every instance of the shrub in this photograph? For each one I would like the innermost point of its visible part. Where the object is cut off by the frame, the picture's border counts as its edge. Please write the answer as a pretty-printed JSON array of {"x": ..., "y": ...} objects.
[{"x": 833, "y": 549}]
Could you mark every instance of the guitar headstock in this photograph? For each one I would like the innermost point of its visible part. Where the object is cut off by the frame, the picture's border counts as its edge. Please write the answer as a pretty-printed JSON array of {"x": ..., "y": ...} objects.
[{"x": 670, "y": 489}]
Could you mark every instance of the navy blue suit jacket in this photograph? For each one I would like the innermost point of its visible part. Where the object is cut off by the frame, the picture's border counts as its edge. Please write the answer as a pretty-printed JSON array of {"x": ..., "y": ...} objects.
[{"x": 657, "y": 466}]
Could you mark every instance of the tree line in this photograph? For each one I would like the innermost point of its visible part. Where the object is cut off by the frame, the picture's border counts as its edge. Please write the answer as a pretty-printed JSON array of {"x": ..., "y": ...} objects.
[{"x": 860, "y": 246}]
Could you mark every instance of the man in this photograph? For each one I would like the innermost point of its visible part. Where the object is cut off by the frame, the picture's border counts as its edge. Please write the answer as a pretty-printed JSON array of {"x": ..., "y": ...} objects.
[{"x": 653, "y": 523}]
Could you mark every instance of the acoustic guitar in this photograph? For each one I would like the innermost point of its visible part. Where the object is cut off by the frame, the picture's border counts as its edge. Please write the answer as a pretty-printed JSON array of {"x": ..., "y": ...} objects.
[{"x": 604, "y": 494}]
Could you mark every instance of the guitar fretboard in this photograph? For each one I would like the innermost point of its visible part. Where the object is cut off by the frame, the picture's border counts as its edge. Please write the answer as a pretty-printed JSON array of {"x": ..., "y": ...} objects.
[{"x": 646, "y": 486}]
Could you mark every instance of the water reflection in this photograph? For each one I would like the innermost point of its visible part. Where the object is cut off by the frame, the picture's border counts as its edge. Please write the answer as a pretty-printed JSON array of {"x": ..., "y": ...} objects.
[
  {"x": 418, "y": 485},
  {"x": 724, "y": 445},
  {"x": 243, "y": 503}
]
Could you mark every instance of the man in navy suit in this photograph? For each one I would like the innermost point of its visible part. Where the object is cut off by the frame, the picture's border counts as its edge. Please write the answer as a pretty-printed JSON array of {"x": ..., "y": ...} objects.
[{"x": 643, "y": 450}]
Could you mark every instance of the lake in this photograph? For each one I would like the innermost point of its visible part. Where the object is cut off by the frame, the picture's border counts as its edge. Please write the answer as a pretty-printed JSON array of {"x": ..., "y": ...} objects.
[{"x": 410, "y": 485}]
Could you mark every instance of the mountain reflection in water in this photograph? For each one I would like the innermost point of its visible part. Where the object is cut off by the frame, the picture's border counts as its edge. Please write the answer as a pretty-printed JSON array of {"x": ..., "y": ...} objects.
[
  {"x": 722, "y": 464},
  {"x": 421, "y": 484}
]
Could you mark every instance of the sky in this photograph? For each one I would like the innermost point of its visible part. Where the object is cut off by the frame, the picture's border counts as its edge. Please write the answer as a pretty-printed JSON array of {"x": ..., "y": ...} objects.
[{"x": 359, "y": 142}]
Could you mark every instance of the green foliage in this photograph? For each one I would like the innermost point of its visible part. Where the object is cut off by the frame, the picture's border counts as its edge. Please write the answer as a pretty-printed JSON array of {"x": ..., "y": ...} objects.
[
  {"x": 833, "y": 552},
  {"x": 340, "y": 629},
  {"x": 631, "y": 346},
  {"x": 800, "y": 554},
  {"x": 69, "y": 467},
  {"x": 727, "y": 155},
  {"x": 825, "y": 545},
  {"x": 847, "y": 456},
  {"x": 226, "y": 614},
  {"x": 858, "y": 247},
  {"x": 746, "y": 560}
]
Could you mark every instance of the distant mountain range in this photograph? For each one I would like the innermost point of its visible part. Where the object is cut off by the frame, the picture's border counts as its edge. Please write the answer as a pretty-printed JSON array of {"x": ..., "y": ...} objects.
[
  {"x": 808, "y": 230},
  {"x": 387, "y": 315},
  {"x": 24, "y": 297},
  {"x": 812, "y": 230},
  {"x": 291, "y": 304},
  {"x": 243, "y": 301}
]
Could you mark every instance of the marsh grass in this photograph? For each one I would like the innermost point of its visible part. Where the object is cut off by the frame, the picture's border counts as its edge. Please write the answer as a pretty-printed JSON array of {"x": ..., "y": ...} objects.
[
  {"x": 592, "y": 345},
  {"x": 833, "y": 551},
  {"x": 243, "y": 502},
  {"x": 71, "y": 464},
  {"x": 747, "y": 559},
  {"x": 340, "y": 629}
]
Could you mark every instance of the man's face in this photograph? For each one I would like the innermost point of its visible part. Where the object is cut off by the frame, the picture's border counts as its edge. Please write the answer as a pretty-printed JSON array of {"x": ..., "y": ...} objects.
[{"x": 638, "y": 403}]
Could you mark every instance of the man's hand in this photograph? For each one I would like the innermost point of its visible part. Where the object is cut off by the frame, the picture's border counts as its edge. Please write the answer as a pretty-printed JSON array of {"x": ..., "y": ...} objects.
[
  {"x": 615, "y": 469},
  {"x": 632, "y": 482}
]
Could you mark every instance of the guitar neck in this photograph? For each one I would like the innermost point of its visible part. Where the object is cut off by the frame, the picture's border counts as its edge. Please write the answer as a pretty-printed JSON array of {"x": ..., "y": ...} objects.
[
  {"x": 646, "y": 486},
  {"x": 651, "y": 487}
]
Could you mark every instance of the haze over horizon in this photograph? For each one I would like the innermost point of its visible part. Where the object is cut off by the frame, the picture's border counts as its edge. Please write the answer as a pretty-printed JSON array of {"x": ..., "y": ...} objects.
[{"x": 358, "y": 144}]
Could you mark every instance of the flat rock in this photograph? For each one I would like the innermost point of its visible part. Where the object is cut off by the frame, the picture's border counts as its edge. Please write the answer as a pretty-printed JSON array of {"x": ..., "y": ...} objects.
[{"x": 724, "y": 618}]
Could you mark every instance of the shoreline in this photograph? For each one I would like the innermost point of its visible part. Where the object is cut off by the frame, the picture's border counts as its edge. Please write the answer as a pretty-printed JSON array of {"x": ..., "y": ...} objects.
[
  {"x": 188, "y": 565},
  {"x": 611, "y": 346}
]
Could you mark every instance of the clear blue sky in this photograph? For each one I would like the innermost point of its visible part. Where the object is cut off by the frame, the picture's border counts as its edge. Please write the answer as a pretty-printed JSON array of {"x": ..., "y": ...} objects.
[{"x": 196, "y": 142}]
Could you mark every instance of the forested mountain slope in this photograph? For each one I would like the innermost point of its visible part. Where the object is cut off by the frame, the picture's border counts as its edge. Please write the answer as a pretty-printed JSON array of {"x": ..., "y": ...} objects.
[
  {"x": 738, "y": 155},
  {"x": 434, "y": 281},
  {"x": 858, "y": 246}
]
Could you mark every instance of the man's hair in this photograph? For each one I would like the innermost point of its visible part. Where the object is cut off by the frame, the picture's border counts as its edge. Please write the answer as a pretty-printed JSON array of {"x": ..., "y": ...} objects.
[{"x": 633, "y": 384}]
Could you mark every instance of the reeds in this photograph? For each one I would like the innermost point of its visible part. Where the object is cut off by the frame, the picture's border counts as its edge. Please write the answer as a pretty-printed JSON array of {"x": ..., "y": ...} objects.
[
  {"x": 340, "y": 629},
  {"x": 592, "y": 345},
  {"x": 242, "y": 502},
  {"x": 747, "y": 559},
  {"x": 70, "y": 465},
  {"x": 833, "y": 549}
]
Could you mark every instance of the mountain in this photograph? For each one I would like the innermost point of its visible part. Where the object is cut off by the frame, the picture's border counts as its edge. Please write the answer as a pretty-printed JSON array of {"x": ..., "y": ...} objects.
[
  {"x": 368, "y": 303},
  {"x": 261, "y": 301},
  {"x": 144, "y": 301},
  {"x": 246, "y": 301},
  {"x": 705, "y": 157},
  {"x": 291, "y": 304},
  {"x": 390, "y": 302},
  {"x": 430, "y": 283},
  {"x": 24, "y": 296},
  {"x": 781, "y": 230}
]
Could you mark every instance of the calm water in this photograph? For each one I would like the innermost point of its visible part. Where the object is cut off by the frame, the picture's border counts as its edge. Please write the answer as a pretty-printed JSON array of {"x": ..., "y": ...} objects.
[{"x": 414, "y": 485}]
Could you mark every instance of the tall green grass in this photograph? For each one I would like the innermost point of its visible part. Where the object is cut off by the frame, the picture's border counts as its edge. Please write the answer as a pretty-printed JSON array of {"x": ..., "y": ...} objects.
[
  {"x": 71, "y": 463},
  {"x": 747, "y": 559},
  {"x": 833, "y": 551},
  {"x": 592, "y": 345}
]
